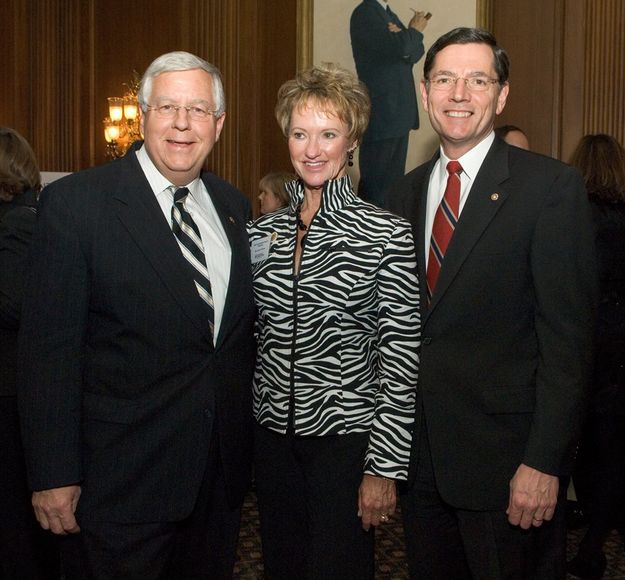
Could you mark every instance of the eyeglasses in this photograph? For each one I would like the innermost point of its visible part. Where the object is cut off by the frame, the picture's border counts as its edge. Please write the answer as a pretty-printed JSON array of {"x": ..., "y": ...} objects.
[
  {"x": 446, "y": 82},
  {"x": 195, "y": 112}
]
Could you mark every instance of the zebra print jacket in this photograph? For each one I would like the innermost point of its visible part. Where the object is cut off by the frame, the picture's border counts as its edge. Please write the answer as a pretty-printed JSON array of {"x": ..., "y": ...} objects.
[{"x": 338, "y": 343}]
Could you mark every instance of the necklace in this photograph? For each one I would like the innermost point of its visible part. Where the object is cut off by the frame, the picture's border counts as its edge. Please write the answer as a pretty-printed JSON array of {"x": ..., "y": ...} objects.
[{"x": 298, "y": 218}]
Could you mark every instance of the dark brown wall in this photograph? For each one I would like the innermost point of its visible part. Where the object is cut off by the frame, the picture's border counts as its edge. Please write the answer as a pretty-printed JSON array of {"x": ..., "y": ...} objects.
[
  {"x": 62, "y": 58},
  {"x": 568, "y": 68},
  {"x": 533, "y": 82}
]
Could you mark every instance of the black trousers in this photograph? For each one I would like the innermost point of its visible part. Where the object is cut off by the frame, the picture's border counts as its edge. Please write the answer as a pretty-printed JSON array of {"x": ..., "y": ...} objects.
[
  {"x": 307, "y": 491},
  {"x": 201, "y": 546},
  {"x": 443, "y": 542},
  {"x": 599, "y": 478},
  {"x": 381, "y": 163},
  {"x": 27, "y": 552}
]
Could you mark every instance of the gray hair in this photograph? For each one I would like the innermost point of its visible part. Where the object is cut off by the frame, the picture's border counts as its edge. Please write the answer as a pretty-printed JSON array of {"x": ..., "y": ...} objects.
[{"x": 181, "y": 61}]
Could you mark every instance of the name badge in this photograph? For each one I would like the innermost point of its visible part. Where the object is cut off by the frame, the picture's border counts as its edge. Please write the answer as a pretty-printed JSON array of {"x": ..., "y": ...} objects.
[{"x": 260, "y": 249}]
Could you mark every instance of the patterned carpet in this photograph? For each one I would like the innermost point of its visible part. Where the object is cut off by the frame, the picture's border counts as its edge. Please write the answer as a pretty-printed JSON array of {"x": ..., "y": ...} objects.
[{"x": 390, "y": 555}]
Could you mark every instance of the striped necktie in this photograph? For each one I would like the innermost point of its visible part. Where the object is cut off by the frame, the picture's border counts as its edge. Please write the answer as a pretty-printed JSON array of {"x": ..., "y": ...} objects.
[
  {"x": 190, "y": 242},
  {"x": 444, "y": 225}
]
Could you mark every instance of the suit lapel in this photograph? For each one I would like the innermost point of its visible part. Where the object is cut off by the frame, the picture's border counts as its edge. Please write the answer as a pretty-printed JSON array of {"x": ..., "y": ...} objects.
[
  {"x": 420, "y": 197},
  {"x": 139, "y": 211},
  {"x": 392, "y": 17},
  {"x": 484, "y": 201},
  {"x": 385, "y": 16}
]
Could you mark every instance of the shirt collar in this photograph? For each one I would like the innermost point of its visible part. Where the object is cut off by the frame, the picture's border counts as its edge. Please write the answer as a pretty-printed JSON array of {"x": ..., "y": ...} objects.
[
  {"x": 472, "y": 160},
  {"x": 158, "y": 182}
]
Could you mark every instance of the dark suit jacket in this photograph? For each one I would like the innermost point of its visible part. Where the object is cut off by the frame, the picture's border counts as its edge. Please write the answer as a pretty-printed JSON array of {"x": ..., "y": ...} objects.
[
  {"x": 120, "y": 386},
  {"x": 506, "y": 342},
  {"x": 384, "y": 62},
  {"x": 17, "y": 221}
]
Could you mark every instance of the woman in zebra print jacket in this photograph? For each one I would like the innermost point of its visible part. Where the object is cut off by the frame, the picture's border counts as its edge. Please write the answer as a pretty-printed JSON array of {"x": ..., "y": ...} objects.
[{"x": 338, "y": 327}]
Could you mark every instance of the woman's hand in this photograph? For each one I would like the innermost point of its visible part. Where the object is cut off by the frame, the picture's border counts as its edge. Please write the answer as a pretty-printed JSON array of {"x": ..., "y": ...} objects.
[{"x": 376, "y": 500}]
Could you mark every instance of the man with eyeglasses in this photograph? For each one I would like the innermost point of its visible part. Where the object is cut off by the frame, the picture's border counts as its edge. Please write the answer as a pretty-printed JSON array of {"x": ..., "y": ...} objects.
[
  {"x": 505, "y": 244},
  {"x": 137, "y": 348}
]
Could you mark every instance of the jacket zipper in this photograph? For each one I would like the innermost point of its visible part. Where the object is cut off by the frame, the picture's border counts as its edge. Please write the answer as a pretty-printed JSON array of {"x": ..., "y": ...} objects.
[{"x": 291, "y": 417}]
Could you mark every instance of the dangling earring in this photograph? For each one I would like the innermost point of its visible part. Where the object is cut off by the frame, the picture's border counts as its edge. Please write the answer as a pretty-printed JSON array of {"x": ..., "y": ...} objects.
[{"x": 350, "y": 158}]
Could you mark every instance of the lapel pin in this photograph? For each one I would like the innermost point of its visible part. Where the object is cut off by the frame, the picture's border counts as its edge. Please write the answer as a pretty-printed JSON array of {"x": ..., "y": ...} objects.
[
  {"x": 494, "y": 196},
  {"x": 231, "y": 219},
  {"x": 274, "y": 236}
]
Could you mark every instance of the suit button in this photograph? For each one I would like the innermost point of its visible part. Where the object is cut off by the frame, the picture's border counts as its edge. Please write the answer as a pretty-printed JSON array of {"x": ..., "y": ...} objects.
[
  {"x": 426, "y": 340},
  {"x": 207, "y": 412}
]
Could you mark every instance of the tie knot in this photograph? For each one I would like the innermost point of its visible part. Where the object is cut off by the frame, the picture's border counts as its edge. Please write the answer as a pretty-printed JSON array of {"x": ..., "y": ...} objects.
[
  {"x": 454, "y": 167},
  {"x": 180, "y": 194}
]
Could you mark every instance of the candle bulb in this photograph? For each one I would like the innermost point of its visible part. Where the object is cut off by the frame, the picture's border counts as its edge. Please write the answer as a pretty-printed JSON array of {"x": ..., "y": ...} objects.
[
  {"x": 130, "y": 109},
  {"x": 116, "y": 111},
  {"x": 114, "y": 132},
  {"x": 111, "y": 132}
]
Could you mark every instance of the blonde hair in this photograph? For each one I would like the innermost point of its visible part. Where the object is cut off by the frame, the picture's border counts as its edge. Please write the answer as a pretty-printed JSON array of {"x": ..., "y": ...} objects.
[
  {"x": 275, "y": 182},
  {"x": 331, "y": 88}
]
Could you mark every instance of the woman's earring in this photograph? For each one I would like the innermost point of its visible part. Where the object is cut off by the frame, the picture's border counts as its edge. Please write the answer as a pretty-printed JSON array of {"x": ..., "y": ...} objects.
[{"x": 350, "y": 158}]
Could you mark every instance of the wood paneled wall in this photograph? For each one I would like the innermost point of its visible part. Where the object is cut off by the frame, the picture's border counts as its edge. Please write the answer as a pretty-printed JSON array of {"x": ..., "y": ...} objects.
[
  {"x": 62, "y": 58},
  {"x": 567, "y": 74},
  {"x": 604, "y": 63}
]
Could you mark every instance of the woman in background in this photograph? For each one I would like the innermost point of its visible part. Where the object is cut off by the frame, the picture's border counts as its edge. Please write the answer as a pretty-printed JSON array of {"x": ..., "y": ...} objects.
[
  {"x": 26, "y": 551},
  {"x": 599, "y": 476},
  {"x": 338, "y": 321},
  {"x": 273, "y": 194}
]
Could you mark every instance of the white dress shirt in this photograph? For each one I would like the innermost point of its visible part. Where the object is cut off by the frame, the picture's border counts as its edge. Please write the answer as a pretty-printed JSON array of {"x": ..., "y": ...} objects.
[
  {"x": 198, "y": 203},
  {"x": 471, "y": 163}
]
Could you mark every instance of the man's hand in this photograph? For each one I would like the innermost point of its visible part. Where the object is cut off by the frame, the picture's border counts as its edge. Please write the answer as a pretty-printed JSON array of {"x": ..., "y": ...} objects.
[
  {"x": 54, "y": 509},
  {"x": 418, "y": 21},
  {"x": 376, "y": 500},
  {"x": 533, "y": 497}
]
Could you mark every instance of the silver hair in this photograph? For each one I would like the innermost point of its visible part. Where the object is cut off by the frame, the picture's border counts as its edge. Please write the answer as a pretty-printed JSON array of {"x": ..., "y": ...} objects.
[{"x": 181, "y": 61}]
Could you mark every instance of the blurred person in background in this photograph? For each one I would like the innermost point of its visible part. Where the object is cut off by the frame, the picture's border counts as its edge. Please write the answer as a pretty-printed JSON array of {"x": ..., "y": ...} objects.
[
  {"x": 273, "y": 194},
  {"x": 512, "y": 135},
  {"x": 26, "y": 551},
  {"x": 599, "y": 475}
]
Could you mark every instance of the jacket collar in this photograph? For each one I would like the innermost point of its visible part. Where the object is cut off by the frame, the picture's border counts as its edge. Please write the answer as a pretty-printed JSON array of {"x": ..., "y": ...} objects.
[{"x": 336, "y": 194}]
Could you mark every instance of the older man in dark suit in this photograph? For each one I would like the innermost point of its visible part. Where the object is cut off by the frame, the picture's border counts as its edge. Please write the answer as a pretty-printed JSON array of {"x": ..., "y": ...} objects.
[
  {"x": 384, "y": 52},
  {"x": 137, "y": 350},
  {"x": 506, "y": 247}
]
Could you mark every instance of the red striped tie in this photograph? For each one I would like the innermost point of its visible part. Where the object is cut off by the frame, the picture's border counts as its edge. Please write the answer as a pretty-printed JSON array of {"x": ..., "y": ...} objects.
[{"x": 444, "y": 224}]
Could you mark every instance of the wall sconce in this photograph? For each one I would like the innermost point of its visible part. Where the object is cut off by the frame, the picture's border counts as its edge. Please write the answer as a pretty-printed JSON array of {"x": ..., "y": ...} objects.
[{"x": 121, "y": 127}]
